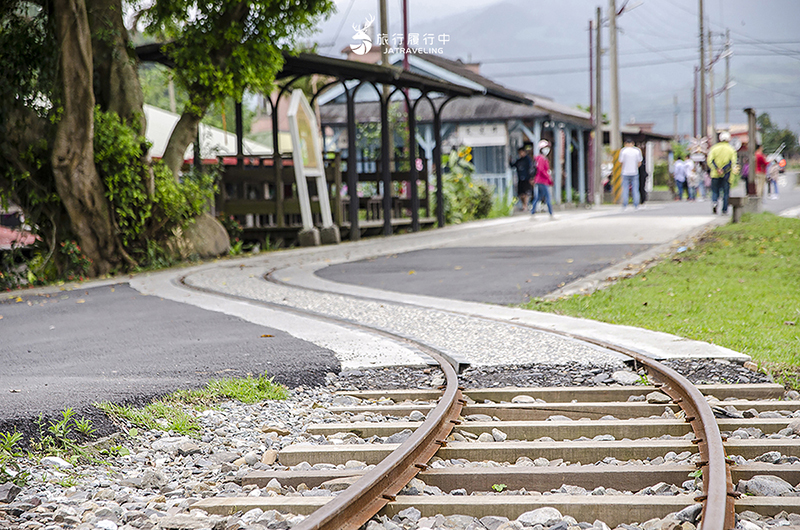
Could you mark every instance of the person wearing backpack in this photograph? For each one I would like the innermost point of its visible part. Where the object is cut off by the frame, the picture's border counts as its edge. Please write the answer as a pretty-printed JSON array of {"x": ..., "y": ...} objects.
[{"x": 721, "y": 164}]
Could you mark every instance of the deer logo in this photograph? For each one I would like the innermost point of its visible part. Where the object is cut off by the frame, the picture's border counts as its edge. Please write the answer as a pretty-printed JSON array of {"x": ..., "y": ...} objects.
[{"x": 361, "y": 35}]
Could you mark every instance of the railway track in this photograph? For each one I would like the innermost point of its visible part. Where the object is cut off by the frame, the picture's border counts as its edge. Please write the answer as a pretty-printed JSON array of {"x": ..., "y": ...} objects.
[
  {"x": 652, "y": 455},
  {"x": 620, "y": 455}
]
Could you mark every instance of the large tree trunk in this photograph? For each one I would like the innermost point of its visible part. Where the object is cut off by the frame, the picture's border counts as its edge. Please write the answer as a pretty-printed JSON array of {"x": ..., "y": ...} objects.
[
  {"x": 116, "y": 81},
  {"x": 76, "y": 177},
  {"x": 183, "y": 134}
]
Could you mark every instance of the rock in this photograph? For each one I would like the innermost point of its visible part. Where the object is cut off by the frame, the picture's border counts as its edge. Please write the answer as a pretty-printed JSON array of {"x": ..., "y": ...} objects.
[
  {"x": 223, "y": 457},
  {"x": 8, "y": 492},
  {"x": 280, "y": 431},
  {"x": 478, "y": 417},
  {"x": 541, "y": 462},
  {"x": 604, "y": 438},
  {"x": 414, "y": 487},
  {"x": 498, "y": 435},
  {"x": 205, "y": 237},
  {"x": 636, "y": 398},
  {"x": 543, "y": 516},
  {"x": 625, "y": 377},
  {"x": 559, "y": 417},
  {"x": 658, "y": 398},
  {"x": 345, "y": 401},
  {"x": 355, "y": 464},
  {"x": 690, "y": 513},
  {"x": 105, "y": 524},
  {"x": 416, "y": 416},
  {"x": 269, "y": 457},
  {"x": 485, "y": 437},
  {"x": 795, "y": 426},
  {"x": 764, "y": 486},
  {"x": 273, "y": 485},
  {"x": 744, "y": 524},
  {"x": 792, "y": 395},
  {"x": 188, "y": 448},
  {"x": 399, "y": 437},
  {"x": 169, "y": 444},
  {"x": 252, "y": 458},
  {"x": 459, "y": 491},
  {"x": 339, "y": 484},
  {"x": 511, "y": 525},
  {"x": 523, "y": 399},
  {"x": 54, "y": 461},
  {"x": 412, "y": 514},
  {"x": 186, "y": 522},
  {"x": 770, "y": 457},
  {"x": 458, "y": 521},
  {"x": 493, "y": 522}
]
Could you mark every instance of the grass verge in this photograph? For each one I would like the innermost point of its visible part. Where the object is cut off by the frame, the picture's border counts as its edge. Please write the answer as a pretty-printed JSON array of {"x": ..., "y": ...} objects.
[
  {"x": 739, "y": 287},
  {"x": 169, "y": 413}
]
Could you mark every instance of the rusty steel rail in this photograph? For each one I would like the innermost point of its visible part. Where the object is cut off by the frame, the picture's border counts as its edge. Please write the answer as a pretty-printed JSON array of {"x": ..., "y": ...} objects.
[
  {"x": 363, "y": 499},
  {"x": 358, "y": 503},
  {"x": 718, "y": 492}
]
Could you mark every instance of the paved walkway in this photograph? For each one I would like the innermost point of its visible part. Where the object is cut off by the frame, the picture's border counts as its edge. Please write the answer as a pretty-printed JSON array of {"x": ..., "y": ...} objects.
[{"x": 102, "y": 340}]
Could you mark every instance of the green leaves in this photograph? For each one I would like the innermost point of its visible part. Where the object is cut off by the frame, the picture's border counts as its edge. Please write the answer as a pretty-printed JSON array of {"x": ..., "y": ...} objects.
[{"x": 227, "y": 46}]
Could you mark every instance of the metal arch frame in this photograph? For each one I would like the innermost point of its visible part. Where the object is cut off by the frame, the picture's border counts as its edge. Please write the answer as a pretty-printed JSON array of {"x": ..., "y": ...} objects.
[
  {"x": 352, "y": 172},
  {"x": 437, "y": 152}
]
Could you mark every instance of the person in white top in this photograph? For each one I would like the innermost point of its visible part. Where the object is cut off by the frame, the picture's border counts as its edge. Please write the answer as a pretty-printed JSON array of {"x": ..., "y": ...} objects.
[{"x": 631, "y": 158}]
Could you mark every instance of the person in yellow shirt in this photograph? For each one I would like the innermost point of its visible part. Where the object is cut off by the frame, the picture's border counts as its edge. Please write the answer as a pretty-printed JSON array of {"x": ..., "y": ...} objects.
[{"x": 721, "y": 163}]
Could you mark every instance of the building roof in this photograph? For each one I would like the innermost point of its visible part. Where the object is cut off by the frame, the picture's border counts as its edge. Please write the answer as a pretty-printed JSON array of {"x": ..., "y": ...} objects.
[{"x": 213, "y": 141}]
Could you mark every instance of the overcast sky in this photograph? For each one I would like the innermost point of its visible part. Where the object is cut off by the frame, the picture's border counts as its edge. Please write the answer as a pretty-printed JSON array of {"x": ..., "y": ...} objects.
[{"x": 541, "y": 47}]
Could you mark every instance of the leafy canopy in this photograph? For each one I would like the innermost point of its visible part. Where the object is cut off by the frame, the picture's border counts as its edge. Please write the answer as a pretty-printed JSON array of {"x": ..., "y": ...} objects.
[{"x": 226, "y": 46}]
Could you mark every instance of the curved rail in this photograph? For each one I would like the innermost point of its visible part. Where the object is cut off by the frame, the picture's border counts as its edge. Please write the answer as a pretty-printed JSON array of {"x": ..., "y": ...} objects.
[
  {"x": 718, "y": 497},
  {"x": 358, "y": 503}
]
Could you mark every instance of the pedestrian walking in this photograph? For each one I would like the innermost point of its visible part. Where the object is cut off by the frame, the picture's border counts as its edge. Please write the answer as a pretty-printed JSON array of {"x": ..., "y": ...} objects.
[
  {"x": 773, "y": 172},
  {"x": 524, "y": 167},
  {"x": 679, "y": 173},
  {"x": 642, "y": 183},
  {"x": 542, "y": 180},
  {"x": 692, "y": 178},
  {"x": 630, "y": 157},
  {"x": 761, "y": 170},
  {"x": 721, "y": 164}
]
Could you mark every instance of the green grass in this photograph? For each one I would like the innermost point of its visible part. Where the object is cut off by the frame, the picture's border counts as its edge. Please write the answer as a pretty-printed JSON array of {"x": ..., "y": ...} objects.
[
  {"x": 738, "y": 288},
  {"x": 169, "y": 414}
]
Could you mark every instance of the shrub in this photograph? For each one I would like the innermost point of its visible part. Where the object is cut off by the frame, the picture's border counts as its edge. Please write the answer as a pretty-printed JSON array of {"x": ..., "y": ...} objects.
[{"x": 464, "y": 199}]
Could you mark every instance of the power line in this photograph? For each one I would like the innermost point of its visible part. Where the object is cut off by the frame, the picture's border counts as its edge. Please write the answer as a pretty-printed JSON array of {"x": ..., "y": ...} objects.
[{"x": 586, "y": 69}]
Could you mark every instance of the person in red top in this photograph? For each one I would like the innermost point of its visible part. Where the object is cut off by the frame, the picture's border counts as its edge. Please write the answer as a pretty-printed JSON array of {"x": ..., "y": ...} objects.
[
  {"x": 542, "y": 179},
  {"x": 761, "y": 170}
]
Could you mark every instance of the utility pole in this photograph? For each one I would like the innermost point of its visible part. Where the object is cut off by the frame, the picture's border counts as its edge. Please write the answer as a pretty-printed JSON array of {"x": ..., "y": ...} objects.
[
  {"x": 727, "y": 76},
  {"x": 615, "y": 138},
  {"x": 675, "y": 117},
  {"x": 701, "y": 91},
  {"x": 694, "y": 104},
  {"x": 712, "y": 100},
  {"x": 598, "y": 112}
]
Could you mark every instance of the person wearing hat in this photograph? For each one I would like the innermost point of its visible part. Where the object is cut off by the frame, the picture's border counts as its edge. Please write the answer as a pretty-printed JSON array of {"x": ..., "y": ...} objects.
[
  {"x": 543, "y": 180},
  {"x": 721, "y": 164}
]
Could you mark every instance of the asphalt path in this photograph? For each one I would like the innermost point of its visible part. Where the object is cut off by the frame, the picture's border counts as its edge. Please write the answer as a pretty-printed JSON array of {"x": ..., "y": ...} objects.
[
  {"x": 498, "y": 275},
  {"x": 111, "y": 343}
]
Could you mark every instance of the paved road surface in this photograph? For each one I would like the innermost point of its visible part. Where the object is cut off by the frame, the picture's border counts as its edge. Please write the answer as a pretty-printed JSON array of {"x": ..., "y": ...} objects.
[{"x": 112, "y": 343}]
